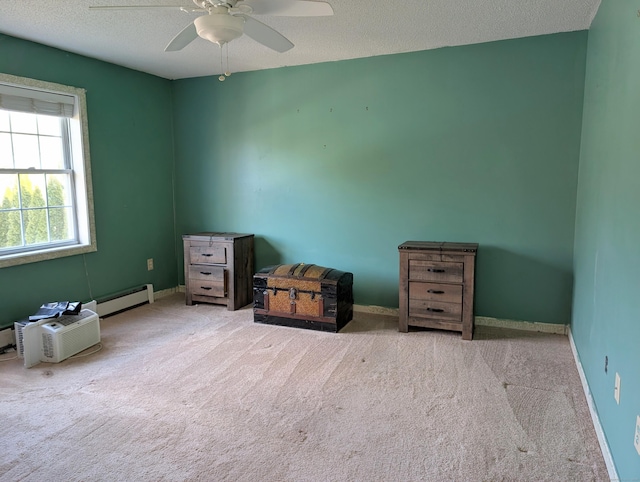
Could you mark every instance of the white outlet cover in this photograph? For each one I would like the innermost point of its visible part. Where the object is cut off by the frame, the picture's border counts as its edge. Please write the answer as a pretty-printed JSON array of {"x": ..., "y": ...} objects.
[
  {"x": 616, "y": 389},
  {"x": 636, "y": 439}
]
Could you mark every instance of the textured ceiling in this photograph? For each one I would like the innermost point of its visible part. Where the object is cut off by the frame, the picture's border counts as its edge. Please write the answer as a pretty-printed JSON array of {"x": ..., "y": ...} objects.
[{"x": 359, "y": 28}]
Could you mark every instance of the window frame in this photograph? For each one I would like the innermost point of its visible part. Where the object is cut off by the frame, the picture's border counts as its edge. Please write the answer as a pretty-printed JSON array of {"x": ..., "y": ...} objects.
[{"x": 81, "y": 177}]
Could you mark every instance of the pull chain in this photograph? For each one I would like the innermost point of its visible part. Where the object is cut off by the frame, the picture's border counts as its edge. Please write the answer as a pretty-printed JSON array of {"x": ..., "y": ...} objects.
[
  {"x": 222, "y": 77},
  {"x": 227, "y": 73},
  {"x": 222, "y": 69}
]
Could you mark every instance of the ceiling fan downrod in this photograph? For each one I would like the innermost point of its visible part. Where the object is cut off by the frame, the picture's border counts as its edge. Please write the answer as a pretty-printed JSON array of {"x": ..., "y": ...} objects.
[{"x": 208, "y": 4}]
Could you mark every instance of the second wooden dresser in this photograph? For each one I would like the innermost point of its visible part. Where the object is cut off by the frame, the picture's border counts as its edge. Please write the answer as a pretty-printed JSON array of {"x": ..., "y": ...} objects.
[
  {"x": 218, "y": 268},
  {"x": 437, "y": 286}
]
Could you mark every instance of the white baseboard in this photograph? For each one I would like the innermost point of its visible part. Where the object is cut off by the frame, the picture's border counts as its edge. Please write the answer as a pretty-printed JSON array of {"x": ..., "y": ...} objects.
[
  {"x": 604, "y": 447},
  {"x": 554, "y": 328},
  {"x": 164, "y": 293},
  {"x": 119, "y": 303},
  {"x": 90, "y": 305},
  {"x": 557, "y": 329},
  {"x": 376, "y": 310}
]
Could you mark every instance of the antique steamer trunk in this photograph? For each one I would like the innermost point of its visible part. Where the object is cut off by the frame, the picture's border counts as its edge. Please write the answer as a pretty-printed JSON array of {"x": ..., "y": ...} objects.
[{"x": 303, "y": 296}]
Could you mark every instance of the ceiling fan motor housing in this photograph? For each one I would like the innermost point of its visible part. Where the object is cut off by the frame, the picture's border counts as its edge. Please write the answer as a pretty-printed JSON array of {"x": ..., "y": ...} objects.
[{"x": 219, "y": 28}]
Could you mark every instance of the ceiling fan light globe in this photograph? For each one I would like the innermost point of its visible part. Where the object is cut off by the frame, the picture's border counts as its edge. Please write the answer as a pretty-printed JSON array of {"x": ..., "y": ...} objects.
[{"x": 219, "y": 29}]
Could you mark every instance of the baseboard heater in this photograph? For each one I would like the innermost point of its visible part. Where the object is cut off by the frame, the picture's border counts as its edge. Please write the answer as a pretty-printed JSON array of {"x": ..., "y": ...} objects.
[{"x": 125, "y": 300}]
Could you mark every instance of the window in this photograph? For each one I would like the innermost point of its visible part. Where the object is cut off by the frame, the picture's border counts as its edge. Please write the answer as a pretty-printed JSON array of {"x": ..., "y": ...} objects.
[{"x": 46, "y": 207}]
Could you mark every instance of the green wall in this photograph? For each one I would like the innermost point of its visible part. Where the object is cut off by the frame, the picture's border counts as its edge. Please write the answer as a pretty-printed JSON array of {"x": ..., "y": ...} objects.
[
  {"x": 338, "y": 163},
  {"x": 130, "y": 137},
  {"x": 606, "y": 321}
]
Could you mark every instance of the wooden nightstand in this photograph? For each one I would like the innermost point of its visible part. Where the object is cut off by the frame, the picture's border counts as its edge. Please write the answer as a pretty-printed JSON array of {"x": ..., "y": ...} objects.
[
  {"x": 437, "y": 286},
  {"x": 218, "y": 268}
]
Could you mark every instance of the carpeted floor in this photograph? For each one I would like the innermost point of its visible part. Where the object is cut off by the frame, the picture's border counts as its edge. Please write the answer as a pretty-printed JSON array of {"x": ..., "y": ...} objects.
[{"x": 199, "y": 393}]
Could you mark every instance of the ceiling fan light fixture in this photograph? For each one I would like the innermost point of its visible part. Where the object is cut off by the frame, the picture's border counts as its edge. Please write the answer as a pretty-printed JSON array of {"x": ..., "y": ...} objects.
[{"x": 219, "y": 29}]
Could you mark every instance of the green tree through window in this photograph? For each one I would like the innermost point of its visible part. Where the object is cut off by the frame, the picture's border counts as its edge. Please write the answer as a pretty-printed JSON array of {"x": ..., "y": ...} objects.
[
  {"x": 10, "y": 231},
  {"x": 57, "y": 216},
  {"x": 36, "y": 228}
]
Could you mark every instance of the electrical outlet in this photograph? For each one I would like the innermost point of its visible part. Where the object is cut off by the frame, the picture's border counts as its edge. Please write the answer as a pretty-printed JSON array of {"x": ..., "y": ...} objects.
[
  {"x": 636, "y": 439},
  {"x": 150, "y": 264},
  {"x": 616, "y": 389}
]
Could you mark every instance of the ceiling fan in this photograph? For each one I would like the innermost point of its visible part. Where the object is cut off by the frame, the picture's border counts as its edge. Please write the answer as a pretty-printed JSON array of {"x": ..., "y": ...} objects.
[{"x": 226, "y": 20}]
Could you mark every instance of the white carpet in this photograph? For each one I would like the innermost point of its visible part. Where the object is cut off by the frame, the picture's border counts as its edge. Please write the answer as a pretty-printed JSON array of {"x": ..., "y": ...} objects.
[{"x": 199, "y": 393}]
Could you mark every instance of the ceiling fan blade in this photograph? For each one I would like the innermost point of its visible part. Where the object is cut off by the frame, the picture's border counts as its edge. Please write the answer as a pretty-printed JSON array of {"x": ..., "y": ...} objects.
[
  {"x": 133, "y": 7},
  {"x": 265, "y": 35},
  {"x": 289, "y": 8},
  {"x": 184, "y": 38}
]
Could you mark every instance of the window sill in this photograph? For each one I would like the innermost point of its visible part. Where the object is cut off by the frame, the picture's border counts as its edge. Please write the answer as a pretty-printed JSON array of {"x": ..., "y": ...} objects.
[{"x": 46, "y": 254}]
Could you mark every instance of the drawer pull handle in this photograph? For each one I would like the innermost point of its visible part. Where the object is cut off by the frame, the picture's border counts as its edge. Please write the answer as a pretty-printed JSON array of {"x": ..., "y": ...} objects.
[
  {"x": 436, "y": 292},
  {"x": 435, "y": 310},
  {"x": 206, "y": 273},
  {"x": 207, "y": 255},
  {"x": 206, "y": 288},
  {"x": 435, "y": 270}
]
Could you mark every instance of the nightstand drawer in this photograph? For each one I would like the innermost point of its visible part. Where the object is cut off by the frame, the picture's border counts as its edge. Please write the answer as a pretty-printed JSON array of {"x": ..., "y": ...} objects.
[
  {"x": 207, "y": 288},
  {"x": 203, "y": 272},
  {"x": 435, "y": 309},
  {"x": 443, "y": 292},
  {"x": 424, "y": 270},
  {"x": 215, "y": 254}
]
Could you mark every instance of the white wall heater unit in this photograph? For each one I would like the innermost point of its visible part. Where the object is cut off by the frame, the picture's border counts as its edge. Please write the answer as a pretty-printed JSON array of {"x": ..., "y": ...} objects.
[
  {"x": 124, "y": 301},
  {"x": 56, "y": 339}
]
